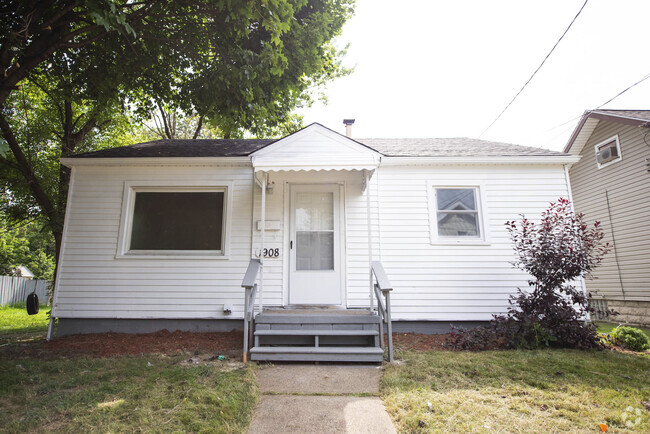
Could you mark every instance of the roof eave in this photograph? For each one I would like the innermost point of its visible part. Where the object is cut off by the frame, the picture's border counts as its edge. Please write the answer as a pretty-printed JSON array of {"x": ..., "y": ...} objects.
[
  {"x": 156, "y": 161},
  {"x": 595, "y": 114},
  {"x": 501, "y": 160}
]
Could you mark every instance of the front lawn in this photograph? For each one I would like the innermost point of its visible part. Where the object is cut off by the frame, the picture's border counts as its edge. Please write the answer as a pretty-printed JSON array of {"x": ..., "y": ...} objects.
[
  {"x": 125, "y": 394},
  {"x": 56, "y": 387},
  {"x": 517, "y": 391}
]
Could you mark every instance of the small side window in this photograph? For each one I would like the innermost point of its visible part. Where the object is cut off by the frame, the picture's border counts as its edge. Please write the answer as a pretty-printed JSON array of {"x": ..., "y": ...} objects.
[
  {"x": 455, "y": 213},
  {"x": 608, "y": 152}
]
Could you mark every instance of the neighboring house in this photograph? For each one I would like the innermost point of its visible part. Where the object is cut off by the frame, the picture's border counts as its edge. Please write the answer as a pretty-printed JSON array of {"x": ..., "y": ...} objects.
[
  {"x": 160, "y": 234},
  {"x": 22, "y": 271},
  {"x": 611, "y": 184}
]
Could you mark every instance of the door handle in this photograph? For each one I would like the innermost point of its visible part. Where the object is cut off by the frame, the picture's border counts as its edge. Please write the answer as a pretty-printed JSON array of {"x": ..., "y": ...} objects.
[{"x": 290, "y": 244}]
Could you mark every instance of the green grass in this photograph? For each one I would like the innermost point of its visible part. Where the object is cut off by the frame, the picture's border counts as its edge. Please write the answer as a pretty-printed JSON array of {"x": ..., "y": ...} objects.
[
  {"x": 15, "y": 324},
  {"x": 124, "y": 394},
  {"x": 517, "y": 391},
  {"x": 608, "y": 327}
]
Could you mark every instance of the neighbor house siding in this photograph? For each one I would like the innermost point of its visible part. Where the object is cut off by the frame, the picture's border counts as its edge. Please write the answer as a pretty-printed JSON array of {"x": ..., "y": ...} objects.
[
  {"x": 93, "y": 283},
  {"x": 458, "y": 282},
  {"x": 627, "y": 183}
]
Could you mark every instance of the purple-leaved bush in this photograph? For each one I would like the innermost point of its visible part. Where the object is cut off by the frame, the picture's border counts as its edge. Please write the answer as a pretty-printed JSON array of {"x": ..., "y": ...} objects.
[{"x": 552, "y": 311}]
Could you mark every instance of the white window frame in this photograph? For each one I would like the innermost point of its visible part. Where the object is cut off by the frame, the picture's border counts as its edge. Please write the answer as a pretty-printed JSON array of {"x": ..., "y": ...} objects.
[
  {"x": 602, "y": 144},
  {"x": 435, "y": 238},
  {"x": 128, "y": 205}
]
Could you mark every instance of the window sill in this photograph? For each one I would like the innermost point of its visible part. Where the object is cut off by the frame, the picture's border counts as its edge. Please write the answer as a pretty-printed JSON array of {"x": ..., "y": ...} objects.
[
  {"x": 460, "y": 243},
  {"x": 172, "y": 255}
]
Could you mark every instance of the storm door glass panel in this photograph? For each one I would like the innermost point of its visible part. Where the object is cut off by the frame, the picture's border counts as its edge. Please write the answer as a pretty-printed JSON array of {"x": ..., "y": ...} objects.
[
  {"x": 177, "y": 221},
  {"x": 314, "y": 231},
  {"x": 457, "y": 212}
]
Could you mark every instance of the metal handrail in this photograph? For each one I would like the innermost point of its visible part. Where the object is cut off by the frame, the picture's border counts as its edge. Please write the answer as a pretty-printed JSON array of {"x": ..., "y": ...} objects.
[
  {"x": 383, "y": 287},
  {"x": 250, "y": 286}
]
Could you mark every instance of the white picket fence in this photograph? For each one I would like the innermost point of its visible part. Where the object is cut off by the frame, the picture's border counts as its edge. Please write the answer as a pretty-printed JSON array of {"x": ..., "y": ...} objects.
[{"x": 16, "y": 289}]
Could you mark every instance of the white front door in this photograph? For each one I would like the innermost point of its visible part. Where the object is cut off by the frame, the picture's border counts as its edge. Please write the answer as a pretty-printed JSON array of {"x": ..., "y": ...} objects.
[{"x": 315, "y": 261}]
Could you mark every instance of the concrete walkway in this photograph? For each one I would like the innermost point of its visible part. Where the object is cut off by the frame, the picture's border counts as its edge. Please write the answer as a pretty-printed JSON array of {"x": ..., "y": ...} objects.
[{"x": 317, "y": 399}]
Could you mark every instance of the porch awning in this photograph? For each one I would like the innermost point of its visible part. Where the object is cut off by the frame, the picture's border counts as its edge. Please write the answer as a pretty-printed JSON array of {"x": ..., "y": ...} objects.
[
  {"x": 300, "y": 164},
  {"x": 315, "y": 148}
]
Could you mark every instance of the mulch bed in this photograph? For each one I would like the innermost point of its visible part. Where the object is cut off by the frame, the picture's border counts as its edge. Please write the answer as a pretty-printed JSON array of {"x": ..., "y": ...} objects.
[
  {"x": 163, "y": 342},
  {"x": 419, "y": 341},
  {"x": 228, "y": 344}
]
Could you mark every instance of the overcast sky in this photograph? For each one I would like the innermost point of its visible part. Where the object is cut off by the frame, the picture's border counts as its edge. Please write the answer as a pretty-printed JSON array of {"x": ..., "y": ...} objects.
[{"x": 447, "y": 68}]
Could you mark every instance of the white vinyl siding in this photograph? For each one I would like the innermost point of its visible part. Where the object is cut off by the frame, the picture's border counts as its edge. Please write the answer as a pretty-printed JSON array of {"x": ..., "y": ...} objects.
[
  {"x": 432, "y": 282},
  {"x": 462, "y": 282},
  {"x": 94, "y": 282}
]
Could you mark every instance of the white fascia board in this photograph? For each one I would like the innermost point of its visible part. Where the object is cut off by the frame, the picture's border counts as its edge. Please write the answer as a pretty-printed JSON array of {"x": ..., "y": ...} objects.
[
  {"x": 501, "y": 160},
  {"x": 157, "y": 161}
]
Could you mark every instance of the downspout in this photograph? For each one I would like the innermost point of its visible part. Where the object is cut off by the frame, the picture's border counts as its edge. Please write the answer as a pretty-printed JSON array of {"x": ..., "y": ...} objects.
[
  {"x": 263, "y": 213},
  {"x": 567, "y": 181},
  {"x": 611, "y": 225},
  {"x": 369, "y": 224}
]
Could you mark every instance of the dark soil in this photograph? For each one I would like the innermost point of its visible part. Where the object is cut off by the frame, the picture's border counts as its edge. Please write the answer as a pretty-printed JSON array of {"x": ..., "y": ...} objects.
[
  {"x": 419, "y": 341},
  {"x": 228, "y": 344}
]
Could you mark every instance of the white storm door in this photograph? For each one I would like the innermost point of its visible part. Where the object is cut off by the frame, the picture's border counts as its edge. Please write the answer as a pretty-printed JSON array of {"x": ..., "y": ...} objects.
[{"x": 315, "y": 261}]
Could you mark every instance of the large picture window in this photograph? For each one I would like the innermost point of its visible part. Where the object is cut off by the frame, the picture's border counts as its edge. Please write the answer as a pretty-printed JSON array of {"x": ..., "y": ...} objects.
[
  {"x": 456, "y": 214},
  {"x": 174, "y": 221},
  {"x": 177, "y": 221}
]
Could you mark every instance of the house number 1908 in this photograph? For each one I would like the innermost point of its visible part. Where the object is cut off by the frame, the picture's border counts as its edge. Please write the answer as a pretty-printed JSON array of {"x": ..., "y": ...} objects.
[{"x": 271, "y": 253}]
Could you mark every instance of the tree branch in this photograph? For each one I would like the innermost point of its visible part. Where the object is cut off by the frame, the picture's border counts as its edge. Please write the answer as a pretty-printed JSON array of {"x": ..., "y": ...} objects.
[
  {"x": 47, "y": 208},
  {"x": 164, "y": 119},
  {"x": 198, "y": 127}
]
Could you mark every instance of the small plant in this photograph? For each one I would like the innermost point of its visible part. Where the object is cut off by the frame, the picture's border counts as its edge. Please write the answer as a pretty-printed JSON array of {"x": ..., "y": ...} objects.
[{"x": 630, "y": 338}]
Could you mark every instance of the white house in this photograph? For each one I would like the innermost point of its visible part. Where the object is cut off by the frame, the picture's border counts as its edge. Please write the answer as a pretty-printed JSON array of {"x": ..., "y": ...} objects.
[{"x": 160, "y": 234}]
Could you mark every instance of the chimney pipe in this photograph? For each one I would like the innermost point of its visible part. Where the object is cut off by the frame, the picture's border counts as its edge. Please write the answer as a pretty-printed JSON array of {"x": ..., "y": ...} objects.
[{"x": 348, "y": 127}]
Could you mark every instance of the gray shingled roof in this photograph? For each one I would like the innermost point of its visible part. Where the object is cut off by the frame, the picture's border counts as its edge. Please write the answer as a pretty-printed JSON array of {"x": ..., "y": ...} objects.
[
  {"x": 452, "y": 147},
  {"x": 636, "y": 114},
  {"x": 183, "y": 148}
]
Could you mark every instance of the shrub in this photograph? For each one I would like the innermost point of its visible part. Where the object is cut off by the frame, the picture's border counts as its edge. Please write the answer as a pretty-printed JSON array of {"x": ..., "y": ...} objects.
[
  {"x": 630, "y": 338},
  {"x": 551, "y": 312}
]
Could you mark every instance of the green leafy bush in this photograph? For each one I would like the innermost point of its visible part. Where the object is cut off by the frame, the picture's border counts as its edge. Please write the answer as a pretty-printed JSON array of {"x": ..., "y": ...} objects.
[{"x": 631, "y": 338}]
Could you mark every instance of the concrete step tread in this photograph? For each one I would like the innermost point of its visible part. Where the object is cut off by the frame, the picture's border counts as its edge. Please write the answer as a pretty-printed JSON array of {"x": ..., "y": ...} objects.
[
  {"x": 318, "y": 350},
  {"x": 316, "y": 319},
  {"x": 303, "y": 332}
]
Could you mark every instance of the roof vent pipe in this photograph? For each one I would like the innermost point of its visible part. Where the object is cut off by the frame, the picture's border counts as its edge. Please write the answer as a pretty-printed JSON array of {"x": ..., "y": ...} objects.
[{"x": 348, "y": 126}]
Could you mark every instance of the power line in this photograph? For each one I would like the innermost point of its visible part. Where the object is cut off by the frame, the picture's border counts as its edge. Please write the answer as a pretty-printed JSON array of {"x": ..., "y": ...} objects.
[
  {"x": 623, "y": 91},
  {"x": 538, "y": 68}
]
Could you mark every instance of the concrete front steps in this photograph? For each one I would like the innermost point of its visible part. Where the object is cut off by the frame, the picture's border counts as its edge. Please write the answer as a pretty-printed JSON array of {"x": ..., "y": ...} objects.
[{"x": 317, "y": 335}]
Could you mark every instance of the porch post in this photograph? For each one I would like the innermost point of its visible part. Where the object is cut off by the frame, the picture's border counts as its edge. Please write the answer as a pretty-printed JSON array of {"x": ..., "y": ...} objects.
[
  {"x": 369, "y": 222},
  {"x": 261, "y": 286}
]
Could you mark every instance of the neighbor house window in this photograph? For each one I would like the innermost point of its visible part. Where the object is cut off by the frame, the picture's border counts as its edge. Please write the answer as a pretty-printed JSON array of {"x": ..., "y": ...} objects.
[
  {"x": 174, "y": 221},
  {"x": 457, "y": 213},
  {"x": 608, "y": 152}
]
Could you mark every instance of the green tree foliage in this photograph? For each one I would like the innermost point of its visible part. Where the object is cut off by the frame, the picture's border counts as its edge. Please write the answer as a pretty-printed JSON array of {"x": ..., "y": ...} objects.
[
  {"x": 72, "y": 73},
  {"x": 29, "y": 244}
]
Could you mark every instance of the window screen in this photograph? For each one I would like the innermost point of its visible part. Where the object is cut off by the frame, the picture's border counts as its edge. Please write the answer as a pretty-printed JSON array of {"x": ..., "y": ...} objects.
[
  {"x": 177, "y": 221},
  {"x": 457, "y": 212}
]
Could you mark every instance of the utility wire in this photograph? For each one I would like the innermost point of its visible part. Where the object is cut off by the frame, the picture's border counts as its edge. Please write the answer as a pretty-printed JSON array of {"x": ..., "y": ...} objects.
[
  {"x": 538, "y": 68},
  {"x": 623, "y": 91}
]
